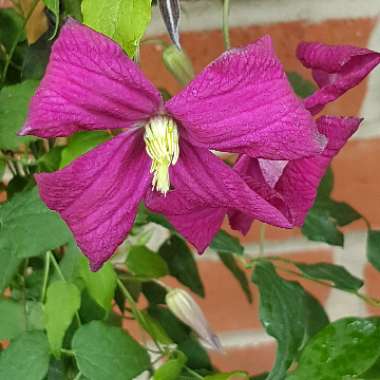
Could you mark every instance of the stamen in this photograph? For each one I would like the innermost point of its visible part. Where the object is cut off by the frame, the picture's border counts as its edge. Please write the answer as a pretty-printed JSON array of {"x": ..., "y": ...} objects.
[{"x": 162, "y": 146}]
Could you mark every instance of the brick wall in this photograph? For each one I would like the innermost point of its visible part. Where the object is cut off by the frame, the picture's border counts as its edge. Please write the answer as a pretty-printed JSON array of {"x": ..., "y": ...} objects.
[{"x": 356, "y": 168}]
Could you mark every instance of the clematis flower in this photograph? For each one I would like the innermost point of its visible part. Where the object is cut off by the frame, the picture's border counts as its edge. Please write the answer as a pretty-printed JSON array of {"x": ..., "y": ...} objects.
[
  {"x": 242, "y": 102},
  {"x": 291, "y": 186}
]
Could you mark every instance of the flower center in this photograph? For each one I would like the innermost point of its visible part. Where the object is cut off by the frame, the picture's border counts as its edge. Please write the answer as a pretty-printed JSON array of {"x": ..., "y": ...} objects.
[{"x": 161, "y": 142}]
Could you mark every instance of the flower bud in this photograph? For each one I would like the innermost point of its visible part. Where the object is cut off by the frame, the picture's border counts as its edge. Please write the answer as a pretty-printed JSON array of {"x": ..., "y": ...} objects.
[
  {"x": 179, "y": 64},
  {"x": 183, "y": 306}
]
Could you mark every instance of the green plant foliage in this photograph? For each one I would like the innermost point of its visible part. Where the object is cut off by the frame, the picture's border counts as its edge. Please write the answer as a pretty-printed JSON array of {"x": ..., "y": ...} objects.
[
  {"x": 26, "y": 358},
  {"x": 344, "y": 349},
  {"x": 63, "y": 301},
  {"x": 181, "y": 264},
  {"x": 105, "y": 352},
  {"x": 373, "y": 248},
  {"x": 224, "y": 242},
  {"x": 145, "y": 263},
  {"x": 14, "y": 101},
  {"x": 124, "y": 21},
  {"x": 53, "y": 5},
  {"x": 228, "y": 376},
  {"x": 172, "y": 369},
  {"x": 302, "y": 87},
  {"x": 12, "y": 319}
]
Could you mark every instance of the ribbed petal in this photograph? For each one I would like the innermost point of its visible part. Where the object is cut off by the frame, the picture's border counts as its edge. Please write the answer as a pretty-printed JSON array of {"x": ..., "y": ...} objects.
[
  {"x": 204, "y": 187},
  {"x": 336, "y": 69},
  {"x": 89, "y": 84},
  {"x": 242, "y": 102},
  {"x": 98, "y": 194},
  {"x": 296, "y": 189}
]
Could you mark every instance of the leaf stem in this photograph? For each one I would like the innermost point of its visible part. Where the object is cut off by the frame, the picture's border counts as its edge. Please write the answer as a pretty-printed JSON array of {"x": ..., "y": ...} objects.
[
  {"x": 78, "y": 376},
  {"x": 226, "y": 28},
  {"x": 15, "y": 42},
  {"x": 67, "y": 352},
  {"x": 46, "y": 276},
  {"x": 195, "y": 374}
]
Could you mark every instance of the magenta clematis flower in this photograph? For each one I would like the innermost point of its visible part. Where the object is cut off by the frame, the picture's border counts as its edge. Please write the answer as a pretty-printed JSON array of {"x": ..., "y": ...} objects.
[
  {"x": 242, "y": 102},
  {"x": 291, "y": 186}
]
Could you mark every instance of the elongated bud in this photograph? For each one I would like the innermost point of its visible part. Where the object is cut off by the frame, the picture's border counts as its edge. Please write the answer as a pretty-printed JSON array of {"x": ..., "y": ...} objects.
[
  {"x": 179, "y": 64},
  {"x": 183, "y": 306},
  {"x": 171, "y": 12}
]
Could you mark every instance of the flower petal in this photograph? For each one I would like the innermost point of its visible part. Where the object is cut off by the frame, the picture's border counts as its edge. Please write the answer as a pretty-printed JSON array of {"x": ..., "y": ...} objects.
[
  {"x": 336, "y": 69},
  {"x": 89, "y": 84},
  {"x": 242, "y": 102},
  {"x": 204, "y": 187},
  {"x": 98, "y": 194},
  {"x": 298, "y": 184}
]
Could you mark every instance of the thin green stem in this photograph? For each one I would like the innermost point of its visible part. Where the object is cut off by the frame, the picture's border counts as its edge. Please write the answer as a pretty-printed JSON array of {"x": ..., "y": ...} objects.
[
  {"x": 262, "y": 240},
  {"x": 78, "y": 376},
  {"x": 46, "y": 276},
  {"x": 15, "y": 42},
  {"x": 226, "y": 26},
  {"x": 62, "y": 277},
  {"x": 67, "y": 352},
  {"x": 195, "y": 374}
]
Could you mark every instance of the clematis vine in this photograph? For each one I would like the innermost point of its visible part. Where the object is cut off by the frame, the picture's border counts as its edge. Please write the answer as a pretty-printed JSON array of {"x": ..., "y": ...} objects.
[
  {"x": 240, "y": 103},
  {"x": 291, "y": 186}
]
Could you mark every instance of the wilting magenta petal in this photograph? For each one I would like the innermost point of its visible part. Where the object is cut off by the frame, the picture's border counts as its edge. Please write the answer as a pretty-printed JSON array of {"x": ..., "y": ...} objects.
[
  {"x": 89, "y": 84},
  {"x": 205, "y": 187},
  {"x": 300, "y": 179},
  {"x": 98, "y": 194},
  {"x": 242, "y": 102},
  {"x": 336, "y": 69},
  {"x": 296, "y": 189}
]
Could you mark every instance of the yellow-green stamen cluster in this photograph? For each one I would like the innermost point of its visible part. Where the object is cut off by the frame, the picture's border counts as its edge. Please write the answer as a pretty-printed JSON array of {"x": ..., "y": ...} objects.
[{"x": 161, "y": 141}]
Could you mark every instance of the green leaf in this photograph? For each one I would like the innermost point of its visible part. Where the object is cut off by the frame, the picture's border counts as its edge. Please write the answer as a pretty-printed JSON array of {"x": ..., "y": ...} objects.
[
  {"x": 12, "y": 319},
  {"x": 124, "y": 21},
  {"x": 26, "y": 358},
  {"x": 321, "y": 226},
  {"x": 181, "y": 263},
  {"x": 9, "y": 262},
  {"x": 344, "y": 349},
  {"x": 63, "y": 300},
  {"x": 105, "y": 352},
  {"x": 53, "y": 6},
  {"x": 28, "y": 227},
  {"x": 343, "y": 213},
  {"x": 153, "y": 328},
  {"x": 73, "y": 8},
  {"x": 302, "y": 87},
  {"x": 154, "y": 293},
  {"x": 326, "y": 186},
  {"x": 50, "y": 161},
  {"x": 336, "y": 274},
  {"x": 35, "y": 316},
  {"x": 14, "y": 101},
  {"x": 101, "y": 284},
  {"x": 282, "y": 313},
  {"x": 2, "y": 167},
  {"x": 230, "y": 263},
  {"x": 11, "y": 23},
  {"x": 228, "y": 375},
  {"x": 145, "y": 263},
  {"x": 224, "y": 242},
  {"x": 81, "y": 143},
  {"x": 172, "y": 368},
  {"x": 373, "y": 248}
]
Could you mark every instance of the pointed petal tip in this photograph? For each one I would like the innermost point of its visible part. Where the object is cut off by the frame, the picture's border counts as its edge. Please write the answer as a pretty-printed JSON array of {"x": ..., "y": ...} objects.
[
  {"x": 26, "y": 130},
  {"x": 95, "y": 265}
]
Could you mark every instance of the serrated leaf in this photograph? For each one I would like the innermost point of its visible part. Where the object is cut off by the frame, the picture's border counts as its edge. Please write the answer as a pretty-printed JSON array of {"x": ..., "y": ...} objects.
[
  {"x": 282, "y": 313},
  {"x": 344, "y": 349},
  {"x": 171, "y": 11},
  {"x": 373, "y": 248},
  {"x": 224, "y": 242},
  {"x": 81, "y": 143},
  {"x": 181, "y": 263},
  {"x": 338, "y": 275},
  {"x": 26, "y": 358},
  {"x": 12, "y": 319},
  {"x": 145, "y": 263},
  {"x": 101, "y": 284},
  {"x": 14, "y": 101},
  {"x": 321, "y": 226},
  {"x": 62, "y": 302},
  {"x": 105, "y": 352},
  {"x": 171, "y": 369},
  {"x": 28, "y": 227},
  {"x": 230, "y": 263},
  {"x": 124, "y": 21}
]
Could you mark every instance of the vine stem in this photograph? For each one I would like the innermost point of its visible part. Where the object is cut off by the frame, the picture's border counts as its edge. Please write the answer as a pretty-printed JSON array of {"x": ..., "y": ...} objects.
[
  {"x": 195, "y": 374},
  {"x": 226, "y": 27},
  {"x": 46, "y": 276},
  {"x": 78, "y": 376},
  {"x": 15, "y": 42}
]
